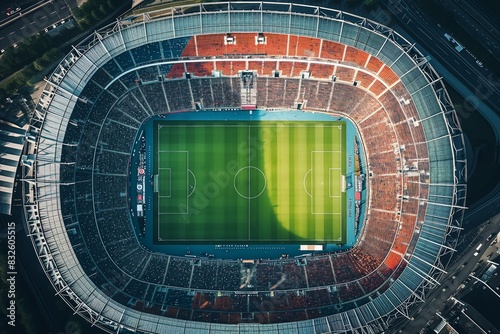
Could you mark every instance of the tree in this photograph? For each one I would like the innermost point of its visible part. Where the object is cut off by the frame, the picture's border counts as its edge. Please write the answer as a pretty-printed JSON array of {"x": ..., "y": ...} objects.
[
  {"x": 97, "y": 15},
  {"x": 353, "y": 3},
  {"x": 114, "y": 3},
  {"x": 52, "y": 54},
  {"x": 370, "y": 4},
  {"x": 78, "y": 13},
  {"x": 25, "y": 74},
  {"x": 39, "y": 64},
  {"x": 103, "y": 8},
  {"x": 48, "y": 57}
]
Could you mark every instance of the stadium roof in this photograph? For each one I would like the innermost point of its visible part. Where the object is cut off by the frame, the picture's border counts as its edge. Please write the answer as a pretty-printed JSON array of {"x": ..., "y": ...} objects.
[
  {"x": 13, "y": 127},
  {"x": 12, "y": 139}
]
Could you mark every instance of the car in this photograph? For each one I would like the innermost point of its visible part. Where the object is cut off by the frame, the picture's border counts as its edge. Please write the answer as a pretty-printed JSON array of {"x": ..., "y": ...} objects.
[
  {"x": 11, "y": 11},
  {"x": 479, "y": 63},
  {"x": 2, "y": 51}
]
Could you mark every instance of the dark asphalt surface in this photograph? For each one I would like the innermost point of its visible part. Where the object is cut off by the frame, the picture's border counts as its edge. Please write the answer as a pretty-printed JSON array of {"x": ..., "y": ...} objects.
[
  {"x": 477, "y": 22},
  {"x": 481, "y": 81},
  {"x": 29, "y": 23}
]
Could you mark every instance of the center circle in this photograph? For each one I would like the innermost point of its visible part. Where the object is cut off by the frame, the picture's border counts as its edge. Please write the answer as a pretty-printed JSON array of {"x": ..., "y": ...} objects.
[{"x": 250, "y": 182}]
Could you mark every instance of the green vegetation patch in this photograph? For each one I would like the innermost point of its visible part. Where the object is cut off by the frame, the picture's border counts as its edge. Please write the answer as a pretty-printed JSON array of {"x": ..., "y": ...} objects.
[{"x": 249, "y": 182}]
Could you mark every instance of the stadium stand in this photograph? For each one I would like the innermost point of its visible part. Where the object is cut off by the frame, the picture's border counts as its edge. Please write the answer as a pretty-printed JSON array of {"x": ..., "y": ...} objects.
[
  {"x": 202, "y": 92},
  {"x": 321, "y": 71},
  {"x": 374, "y": 64},
  {"x": 377, "y": 88},
  {"x": 155, "y": 97},
  {"x": 130, "y": 106},
  {"x": 308, "y": 47},
  {"x": 254, "y": 66},
  {"x": 173, "y": 48},
  {"x": 356, "y": 56},
  {"x": 225, "y": 67},
  {"x": 204, "y": 69},
  {"x": 332, "y": 50},
  {"x": 111, "y": 68},
  {"x": 178, "y": 70},
  {"x": 108, "y": 162},
  {"x": 147, "y": 74},
  {"x": 388, "y": 75},
  {"x": 285, "y": 68},
  {"x": 178, "y": 272},
  {"x": 344, "y": 97},
  {"x": 101, "y": 77},
  {"x": 316, "y": 93},
  {"x": 204, "y": 275},
  {"x": 178, "y": 99},
  {"x": 146, "y": 53},
  {"x": 117, "y": 88},
  {"x": 237, "y": 66},
  {"x": 125, "y": 61},
  {"x": 297, "y": 68},
  {"x": 268, "y": 67},
  {"x": 364, "y": 79},
  {"x": 319, "y": 272},
  {"x": 276, "y": 44},
  {"x": 344, "y": 73}
]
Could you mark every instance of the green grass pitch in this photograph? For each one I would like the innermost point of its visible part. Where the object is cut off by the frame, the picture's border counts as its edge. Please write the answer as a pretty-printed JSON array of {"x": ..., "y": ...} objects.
[{"x": 249, "y": 182}]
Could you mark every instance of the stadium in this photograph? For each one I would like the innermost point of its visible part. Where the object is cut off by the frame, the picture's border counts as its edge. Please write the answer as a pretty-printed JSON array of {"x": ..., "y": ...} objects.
[{"x": 117, "y": 171}]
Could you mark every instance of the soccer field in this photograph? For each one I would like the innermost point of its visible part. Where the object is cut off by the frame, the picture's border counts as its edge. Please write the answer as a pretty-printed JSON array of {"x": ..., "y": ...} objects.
[{"x": 249, "y": 182}]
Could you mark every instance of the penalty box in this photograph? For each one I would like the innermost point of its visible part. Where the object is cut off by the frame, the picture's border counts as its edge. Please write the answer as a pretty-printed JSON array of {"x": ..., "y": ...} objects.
[
  {"x": 326, "y": 182},
  {"x": 172, "y": 182}
]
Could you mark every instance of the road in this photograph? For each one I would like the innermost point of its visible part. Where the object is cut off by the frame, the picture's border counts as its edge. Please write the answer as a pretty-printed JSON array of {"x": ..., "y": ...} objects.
[
  {"x": 484, "y": 209},
  {"x": 437, "y": 298},
  {"x": 486, "y": 12},
  {"x": 6, "y": 7},
  {"x": 484, "y": 85},
  {"x": 477, "y": 22},
  {"x": 30, "y": 21}
]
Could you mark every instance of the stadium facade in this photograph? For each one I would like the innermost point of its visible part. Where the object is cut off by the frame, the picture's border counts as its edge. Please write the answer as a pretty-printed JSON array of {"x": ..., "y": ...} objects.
[{"x": 75, "y": 187}]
